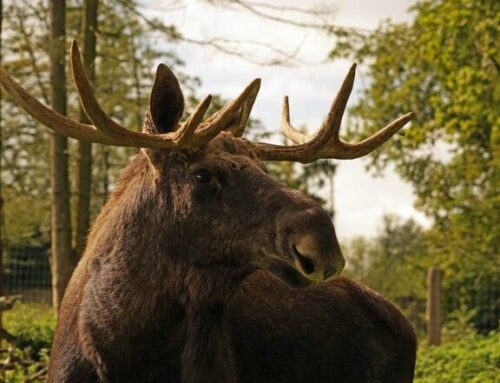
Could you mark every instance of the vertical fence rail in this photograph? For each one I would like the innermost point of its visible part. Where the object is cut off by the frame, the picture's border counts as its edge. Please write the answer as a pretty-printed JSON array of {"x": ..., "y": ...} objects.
[{"x": 434, "y": 310}]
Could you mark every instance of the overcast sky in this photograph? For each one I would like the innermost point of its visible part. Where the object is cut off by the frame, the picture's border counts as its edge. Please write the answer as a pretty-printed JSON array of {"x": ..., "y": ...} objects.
[{"x": 360, "y": 199}]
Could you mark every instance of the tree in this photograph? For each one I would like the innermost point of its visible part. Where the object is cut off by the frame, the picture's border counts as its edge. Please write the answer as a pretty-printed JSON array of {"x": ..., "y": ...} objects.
[
  {"x": 84, "y": 175},
  {"x": 393, "y": 263},
  {"x": 305, "y": 18},
  {"x": 445, "y": 67},
  {"x": 61, "y": 262},
  {"x": 1, "y": 188},
  {"x": 125, "y": 61},
  {"x": 24, "y": 152}
]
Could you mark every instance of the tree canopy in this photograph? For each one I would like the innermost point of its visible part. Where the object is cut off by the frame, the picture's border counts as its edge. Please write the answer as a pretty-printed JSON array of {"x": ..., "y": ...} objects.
[{"x": 444, "y": 66}]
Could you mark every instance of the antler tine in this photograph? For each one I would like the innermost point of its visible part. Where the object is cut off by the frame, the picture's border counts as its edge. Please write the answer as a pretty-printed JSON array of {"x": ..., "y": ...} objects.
[
  {"x": 336, "y": 112},
  {"x": 371, "y": 143},
  {"x": 328, "y": 133},
  {"x": 334, "y": 119},
  {"x": 121, "y": 135},
  {"x": 287, "y": 127},
  {"x": 326, "y": 143},
  {"x": 188, "y": 128},
  {"x": 87, "y": 98},
  {"x": 55, "y": 121},
  {"x": 239, "y": 129},
  {"x": 218, "y": 122}
]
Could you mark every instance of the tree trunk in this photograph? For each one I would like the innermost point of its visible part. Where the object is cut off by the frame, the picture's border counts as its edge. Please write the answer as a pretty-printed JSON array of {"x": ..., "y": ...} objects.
[
  {"x": 61, "y": 259},
  {"x": 105, "y": 180},
  {"x": 1, "y": 149},
  {"x": 331, "y": 178},
  {"x": 84, "y": 179},
  {"x": 433, "y": 309}
]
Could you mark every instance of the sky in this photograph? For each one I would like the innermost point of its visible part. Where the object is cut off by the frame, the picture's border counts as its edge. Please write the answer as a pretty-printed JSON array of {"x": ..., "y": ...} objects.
[{"x": 360, "y": 199}]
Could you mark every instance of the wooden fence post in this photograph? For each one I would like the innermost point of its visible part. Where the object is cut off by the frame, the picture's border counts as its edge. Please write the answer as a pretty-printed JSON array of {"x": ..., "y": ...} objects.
[{"x": 433, "y": 311}]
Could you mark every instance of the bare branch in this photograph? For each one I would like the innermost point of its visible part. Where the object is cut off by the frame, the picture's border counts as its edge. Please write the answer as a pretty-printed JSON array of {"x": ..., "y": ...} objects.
[
  {"x": 223, "y": 45},
  {"x": 256, "y": 9},
  {"x": 286, "y": 8},
  {"x": 28, "y": 46},
  {"x": 174, "y": 5},
  {"x": 242, "y": 48},
  {"x": 253, "y": 8}
]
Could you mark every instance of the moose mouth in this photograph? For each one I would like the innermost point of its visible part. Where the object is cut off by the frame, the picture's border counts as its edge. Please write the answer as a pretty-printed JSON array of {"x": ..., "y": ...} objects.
[
  {"x": 285, "y": 271},
  {"x": 282, "y": 267}
]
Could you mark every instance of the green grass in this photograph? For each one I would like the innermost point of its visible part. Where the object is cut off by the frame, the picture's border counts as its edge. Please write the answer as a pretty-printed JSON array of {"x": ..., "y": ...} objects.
[
  {"x": 472, "y": 359},
  {"x": 32, "y": 324}
]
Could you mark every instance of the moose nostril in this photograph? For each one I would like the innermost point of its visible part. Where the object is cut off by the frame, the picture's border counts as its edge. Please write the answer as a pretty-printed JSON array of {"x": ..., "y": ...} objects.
[{"x": 306, "y": 263}]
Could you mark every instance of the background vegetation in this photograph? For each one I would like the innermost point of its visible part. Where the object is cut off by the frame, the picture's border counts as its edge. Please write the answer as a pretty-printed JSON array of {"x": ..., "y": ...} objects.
[{"x": 445, "y": 67}]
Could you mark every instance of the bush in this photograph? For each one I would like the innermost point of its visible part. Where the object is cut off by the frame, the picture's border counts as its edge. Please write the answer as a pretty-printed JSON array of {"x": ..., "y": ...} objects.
[
  {"x": 17, "y": 366},
  {"x": 32, "y": 324},
  {"x": 472, "y": 359}
]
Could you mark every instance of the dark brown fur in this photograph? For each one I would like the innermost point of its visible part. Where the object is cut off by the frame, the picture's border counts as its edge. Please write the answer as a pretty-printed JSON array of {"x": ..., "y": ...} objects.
[{"x": 187, "y": 281}]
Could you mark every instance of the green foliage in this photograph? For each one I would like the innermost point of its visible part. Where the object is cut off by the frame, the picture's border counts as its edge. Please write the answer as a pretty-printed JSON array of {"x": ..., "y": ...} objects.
[
  {"x": 477, "y": 294},
  {"x": 127, "y": 50},
  {"x": 17, "y": 366},
  {"x": 32, "y": 324},
  {"x": 24, "y": 175},
  {"x": 445, "y": 67},
  {"x": 394, "y": 264},
  {"x": 458, "y": 325},
  {"x": 472, "y": 359}
]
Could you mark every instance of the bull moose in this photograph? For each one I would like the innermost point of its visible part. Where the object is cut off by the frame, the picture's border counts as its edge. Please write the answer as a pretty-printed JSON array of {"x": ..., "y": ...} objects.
[{"x": 203, "y": 268}]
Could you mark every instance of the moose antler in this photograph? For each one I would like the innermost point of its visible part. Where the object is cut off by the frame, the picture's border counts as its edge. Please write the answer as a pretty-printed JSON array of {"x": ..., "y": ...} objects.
[
  {"x": 326, "y": 142},
  {"x": 194, "y": 132},
  {"x": 190, "y": 134}
]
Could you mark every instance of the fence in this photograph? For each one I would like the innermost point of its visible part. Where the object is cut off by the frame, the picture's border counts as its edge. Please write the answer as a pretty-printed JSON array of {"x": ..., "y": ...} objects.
[
  {"x": 27, "y": 272},
  {"x": 483, "y": 307}
]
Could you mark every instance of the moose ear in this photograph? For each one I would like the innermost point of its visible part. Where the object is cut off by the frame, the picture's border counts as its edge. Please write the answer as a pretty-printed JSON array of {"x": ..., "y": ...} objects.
[{"x": 166, "y": 103}]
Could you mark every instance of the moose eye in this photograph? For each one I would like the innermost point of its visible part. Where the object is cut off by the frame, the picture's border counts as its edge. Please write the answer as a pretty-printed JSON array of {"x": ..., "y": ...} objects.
[{"x": 203, "y": 177}]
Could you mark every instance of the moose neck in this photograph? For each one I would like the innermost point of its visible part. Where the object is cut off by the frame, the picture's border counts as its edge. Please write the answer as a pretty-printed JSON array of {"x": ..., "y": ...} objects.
[
  {"x": 210, "y": 360},
  {"x": 167, "y": 276},
  {"x": 207, "y": 355}
]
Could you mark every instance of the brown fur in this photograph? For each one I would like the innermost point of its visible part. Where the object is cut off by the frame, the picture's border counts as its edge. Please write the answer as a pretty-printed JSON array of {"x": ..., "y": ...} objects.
[
  {"x": 190, "y": 281},
  {"x": 168, "y": 287}
]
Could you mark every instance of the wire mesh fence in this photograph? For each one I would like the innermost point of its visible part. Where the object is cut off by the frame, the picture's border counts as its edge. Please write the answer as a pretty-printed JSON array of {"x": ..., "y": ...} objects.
[
  {"x": 478, "y": 295},
  {"x": 27, "y": 272}
]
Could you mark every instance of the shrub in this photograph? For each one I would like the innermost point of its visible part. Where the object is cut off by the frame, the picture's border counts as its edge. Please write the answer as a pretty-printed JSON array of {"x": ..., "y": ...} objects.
[
  {"x": 472, "y": 359},
  {"x": 32, "y": 324}
]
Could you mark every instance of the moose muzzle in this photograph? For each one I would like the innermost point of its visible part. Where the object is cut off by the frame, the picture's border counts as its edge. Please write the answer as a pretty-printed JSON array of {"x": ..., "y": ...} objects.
[{"x": 308, "y": 237}]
